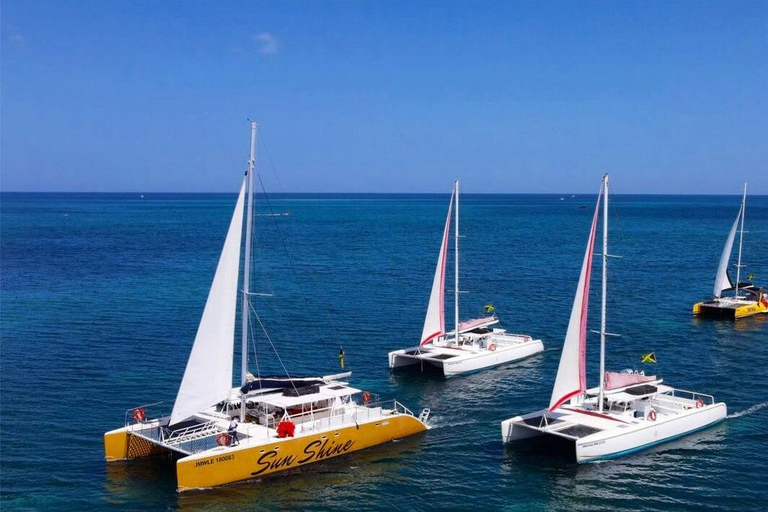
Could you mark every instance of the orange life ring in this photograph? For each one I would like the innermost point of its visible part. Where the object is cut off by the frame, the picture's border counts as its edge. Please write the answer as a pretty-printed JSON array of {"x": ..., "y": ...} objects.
[
  {"x": 366, "y": 397},
  {"x": 139, "y": 414},
  {"x": 652, "y": 415},
  {"x": 699, "y": 403},
  {"x": 222, "y": 439},
  {"x": 492, "y": 347}
]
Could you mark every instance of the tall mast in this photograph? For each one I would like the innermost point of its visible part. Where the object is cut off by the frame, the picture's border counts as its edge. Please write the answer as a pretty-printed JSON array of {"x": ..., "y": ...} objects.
[
  {"x": 247, "y": 265},
  {"x": 456, "y": 268},
  {"x": 741, "y": 238},
  {"x": 603, "y": 305}
]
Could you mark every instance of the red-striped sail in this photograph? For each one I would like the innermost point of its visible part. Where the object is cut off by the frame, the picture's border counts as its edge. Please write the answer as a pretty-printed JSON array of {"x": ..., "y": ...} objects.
[
  {"x": 434, "y": 322},
  {"x": 571, "y": 377}
]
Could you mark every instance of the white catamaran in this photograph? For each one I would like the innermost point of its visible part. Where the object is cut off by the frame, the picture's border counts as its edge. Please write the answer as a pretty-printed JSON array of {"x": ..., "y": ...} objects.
[
  {"x": 627, "y": 411},
  {"x": 472, "y": 345},
  {"x": 283, "y": 422},
  {"x": 747, "y": 299}
]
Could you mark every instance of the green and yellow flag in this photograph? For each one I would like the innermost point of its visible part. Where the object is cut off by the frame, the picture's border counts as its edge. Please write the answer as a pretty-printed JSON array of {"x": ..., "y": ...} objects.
[
  {"x": 489, "y": 308},
  {"x": 649, "y": 358},
  {"x": 341, "y": 357}
]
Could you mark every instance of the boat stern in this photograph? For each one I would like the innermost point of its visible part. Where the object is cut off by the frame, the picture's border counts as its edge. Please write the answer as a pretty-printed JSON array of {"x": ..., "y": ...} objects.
[
  {"x": 697, "y": 308},
  {"x": 521, "y": 427},
  {"x": 120, "y": 444}
]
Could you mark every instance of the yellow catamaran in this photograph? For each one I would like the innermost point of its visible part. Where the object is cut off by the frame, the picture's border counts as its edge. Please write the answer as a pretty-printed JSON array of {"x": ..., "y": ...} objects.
[
  {"x": 747, "y": 299},
  {"x": 222, "y": 434}
]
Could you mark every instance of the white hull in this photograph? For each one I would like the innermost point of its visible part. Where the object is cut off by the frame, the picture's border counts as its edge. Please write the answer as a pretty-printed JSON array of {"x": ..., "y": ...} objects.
[
  {"x": 610, "y": 445},
  {"x": 601, "y": 436},
  {"x": 458, "y": 361}
]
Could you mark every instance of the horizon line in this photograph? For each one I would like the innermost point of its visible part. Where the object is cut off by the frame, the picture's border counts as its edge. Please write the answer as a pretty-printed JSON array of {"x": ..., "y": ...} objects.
[{"x": 385, "y": 193}]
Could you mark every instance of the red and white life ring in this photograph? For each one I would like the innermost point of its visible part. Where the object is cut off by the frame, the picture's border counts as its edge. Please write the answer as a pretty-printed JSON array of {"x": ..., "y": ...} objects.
[
  {"x": 222, "y": 439},
  {"x": 652, "y": 415},
  {"x": 492, "y": 347},
  {"x": 139, "y": 414},
  {"x": 366, "y": 397},
  {"x": 699, "y": 403}
]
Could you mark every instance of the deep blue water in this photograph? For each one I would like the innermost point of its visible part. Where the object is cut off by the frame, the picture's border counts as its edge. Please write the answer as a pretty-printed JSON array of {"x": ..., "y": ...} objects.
[{"x": 102, "y": 294}]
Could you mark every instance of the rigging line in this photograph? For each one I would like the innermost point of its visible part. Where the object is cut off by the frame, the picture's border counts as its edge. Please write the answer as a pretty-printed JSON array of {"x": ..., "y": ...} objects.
[
  {"x": 291, "y": 263},
  {"x": 280, "y": 185},
  {"x": 271, "y": 164},
  {"x": 255, "y": 354},
  {"x": 273, "y": 348}
]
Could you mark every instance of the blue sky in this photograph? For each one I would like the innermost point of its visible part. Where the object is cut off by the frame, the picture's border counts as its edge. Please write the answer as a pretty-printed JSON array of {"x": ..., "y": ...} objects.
[{"x": 517, "y": 97}]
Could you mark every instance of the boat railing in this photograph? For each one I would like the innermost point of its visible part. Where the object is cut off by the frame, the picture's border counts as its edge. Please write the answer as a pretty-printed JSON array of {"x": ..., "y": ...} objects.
[
  {"x": 400, "y": 408},
  {"x": 199, "y": 431},
  {"x": 145, "y": 413},
  {"x": 692, "y": 396}
]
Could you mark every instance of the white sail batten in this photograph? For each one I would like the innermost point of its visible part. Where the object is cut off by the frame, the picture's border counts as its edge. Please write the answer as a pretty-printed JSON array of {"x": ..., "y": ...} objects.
[
  {"x": 723, "y": 281},
  {"x": 434, "y": 322},
  {"x": 208, "y": 377},
  {"x": 571, "y": 377}
]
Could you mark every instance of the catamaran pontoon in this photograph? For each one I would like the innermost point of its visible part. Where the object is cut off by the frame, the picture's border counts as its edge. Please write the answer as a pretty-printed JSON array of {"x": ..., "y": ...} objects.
[
  {"x": 628, "y": 411},
  {"x": 472, "y": 345},
  {"x": 283, "y": 423},
  {"x": 747, "y": 299}
]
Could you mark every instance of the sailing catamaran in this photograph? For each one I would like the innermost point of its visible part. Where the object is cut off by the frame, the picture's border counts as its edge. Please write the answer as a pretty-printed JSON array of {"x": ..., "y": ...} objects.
[
  {"x": 747, "y": 299},
  {"x": 628, "y": 411},
  {"x": 472, "y": 345},
  {"x": 283, "y": 422}
]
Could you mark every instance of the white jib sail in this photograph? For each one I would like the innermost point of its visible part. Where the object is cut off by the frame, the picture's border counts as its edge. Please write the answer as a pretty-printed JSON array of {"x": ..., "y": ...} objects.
[
  {"x": 722, "y": 281},
  {"x": 571, "y": 374},
  {"x": 434, "y": 322},
  {"x": 208, "y": 377}
]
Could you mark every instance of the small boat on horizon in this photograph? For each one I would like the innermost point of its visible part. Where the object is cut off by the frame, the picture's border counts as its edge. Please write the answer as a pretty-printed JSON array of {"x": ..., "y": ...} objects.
[
  {"x": 628, "y": 411},
  {"x": 473, "y": 345},
  {"x": 748, "y": 299},
  {"x": 219, "y": 434}
]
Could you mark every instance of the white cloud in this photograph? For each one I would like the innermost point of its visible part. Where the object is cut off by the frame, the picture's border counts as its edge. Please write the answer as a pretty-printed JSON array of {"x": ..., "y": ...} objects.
[
  {"x": 267, "y": 43},
  {"x": 18, "y": 40}
]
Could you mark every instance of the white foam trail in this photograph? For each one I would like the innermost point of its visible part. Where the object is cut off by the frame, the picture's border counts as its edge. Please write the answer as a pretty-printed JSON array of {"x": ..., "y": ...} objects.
[{"x": 748, "y": 411}]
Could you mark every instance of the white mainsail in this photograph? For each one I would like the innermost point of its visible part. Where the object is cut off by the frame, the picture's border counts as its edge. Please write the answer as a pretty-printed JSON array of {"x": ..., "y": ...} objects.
[
  {"x": 723, "y": 281},
  {"x": 208, "y": 377},
  {"x": 571, "y": 373},
  {"x": 434, "y": 322}
]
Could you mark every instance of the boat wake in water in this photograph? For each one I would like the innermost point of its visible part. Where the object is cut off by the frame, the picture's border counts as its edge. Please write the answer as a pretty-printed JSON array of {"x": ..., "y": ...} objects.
[{"x": 748, "y": 411}]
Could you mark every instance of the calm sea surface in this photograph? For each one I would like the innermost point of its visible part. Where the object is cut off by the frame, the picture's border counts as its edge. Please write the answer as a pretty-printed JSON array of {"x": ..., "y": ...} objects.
[{"x": 102, "y": 294}]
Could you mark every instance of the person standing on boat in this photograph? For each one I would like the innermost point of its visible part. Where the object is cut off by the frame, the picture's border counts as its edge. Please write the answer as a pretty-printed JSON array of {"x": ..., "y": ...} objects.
[{"x": 233, "y": 439}]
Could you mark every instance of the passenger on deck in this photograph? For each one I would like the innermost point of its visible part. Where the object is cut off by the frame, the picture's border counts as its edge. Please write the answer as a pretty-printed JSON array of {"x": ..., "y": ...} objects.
[{"x": 233, "y": 439}]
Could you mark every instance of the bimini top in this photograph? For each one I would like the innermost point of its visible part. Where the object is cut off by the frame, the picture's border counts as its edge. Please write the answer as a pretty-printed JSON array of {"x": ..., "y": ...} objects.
[
  {"x": 477, "y": 323},
  {"x": 324, "y": 392},
  {"x": 267, "y": 384}
]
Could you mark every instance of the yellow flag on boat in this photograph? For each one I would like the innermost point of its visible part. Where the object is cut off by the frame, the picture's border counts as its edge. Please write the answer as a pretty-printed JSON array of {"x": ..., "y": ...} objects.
[
  {"x": 649, "y": 358},
  {"x": 489, "y": 308},
  {"x": 341, "y": 357}
]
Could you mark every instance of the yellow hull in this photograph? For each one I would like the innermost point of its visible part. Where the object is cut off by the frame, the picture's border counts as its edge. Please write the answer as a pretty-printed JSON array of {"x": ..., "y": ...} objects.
[
  {"x": 229, "y": 465},
  {"x": 121, "y": 445},
  {"x": 732, "y": 313}
]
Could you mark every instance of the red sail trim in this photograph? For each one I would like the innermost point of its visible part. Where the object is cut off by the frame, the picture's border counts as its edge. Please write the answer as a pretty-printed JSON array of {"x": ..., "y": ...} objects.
[
  {"x": 431, "y": 337},
  {"x": 444, "y": 256},
  {"x": 565, "y": 399},
  {"x": 446, "y": 232},
  {"x": 585, "y": 302},
  {"x": 584, "y": 311}
]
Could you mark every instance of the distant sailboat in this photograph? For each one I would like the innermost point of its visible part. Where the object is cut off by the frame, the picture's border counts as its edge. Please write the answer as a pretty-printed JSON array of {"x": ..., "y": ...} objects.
[
  {"x": 472, "y": 345},
  {"x": 283, "y": 422},
  {"x": 747, "y": 299},
  {"x": 628, "y": 411}
]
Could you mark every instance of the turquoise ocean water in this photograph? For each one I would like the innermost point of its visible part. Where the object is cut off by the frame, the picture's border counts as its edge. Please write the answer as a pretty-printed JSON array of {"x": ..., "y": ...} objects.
[{"x": 102, "y": 294}]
